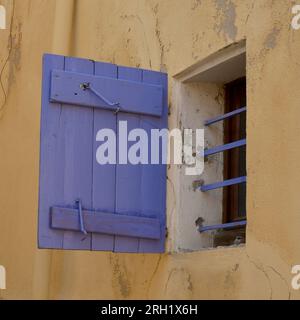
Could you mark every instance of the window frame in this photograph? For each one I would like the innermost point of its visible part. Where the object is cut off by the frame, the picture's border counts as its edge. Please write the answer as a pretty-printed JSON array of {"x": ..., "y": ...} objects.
[{"x": 234, "y": 129}]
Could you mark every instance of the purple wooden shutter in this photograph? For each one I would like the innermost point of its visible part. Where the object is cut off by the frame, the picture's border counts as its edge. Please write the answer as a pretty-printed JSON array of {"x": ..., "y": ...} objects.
[{"x": 123, "y": 205}]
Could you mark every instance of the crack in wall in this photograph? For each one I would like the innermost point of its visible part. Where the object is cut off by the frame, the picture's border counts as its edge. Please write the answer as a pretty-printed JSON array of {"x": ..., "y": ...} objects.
[
  {"x": 260, "y": 268},
  {"x": 154, "y": 273},
  {"x": 183, "y": 277},
  {"x": 170, "y": 215},
  {"x": 168, "y": 279},
  {"x": 138, "y": 18},
  {"x": 163, "y": 66},
  {"x": 283, "y": 279},
  {"x": 250, "y": 12},
  {"x": 10, "y": 47}
]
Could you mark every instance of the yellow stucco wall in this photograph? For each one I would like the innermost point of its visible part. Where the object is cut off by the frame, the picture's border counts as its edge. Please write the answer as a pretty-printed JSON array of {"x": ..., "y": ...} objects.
[{"x": 167, "y": 35}]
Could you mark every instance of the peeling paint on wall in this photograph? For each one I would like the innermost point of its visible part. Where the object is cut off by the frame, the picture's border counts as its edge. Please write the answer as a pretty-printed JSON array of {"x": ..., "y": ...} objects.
[
  {"x": 227, "y": 15},
  {"x": 15, "y": 53},
  {"x": 271, "y": 39},
  {"x": 120, "y": 279}
]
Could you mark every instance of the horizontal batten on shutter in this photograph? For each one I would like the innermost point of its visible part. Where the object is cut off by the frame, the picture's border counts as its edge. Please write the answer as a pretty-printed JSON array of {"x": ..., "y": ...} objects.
[
  {"x": 225, "y": 147},
  {"x": 223, "y": 226},
  {"x": 95, "y": 91},
  {"x": 225, "y": 116},
  {"x": 106, "y": 223},
  {"x": 222, "y": 184}
]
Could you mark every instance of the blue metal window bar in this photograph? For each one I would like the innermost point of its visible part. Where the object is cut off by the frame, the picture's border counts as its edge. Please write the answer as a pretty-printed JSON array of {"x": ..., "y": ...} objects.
[
  {"x": 223, "y": 226},
  {"x": 225, "y": 116},
  {"x": 225, "y": 183}
]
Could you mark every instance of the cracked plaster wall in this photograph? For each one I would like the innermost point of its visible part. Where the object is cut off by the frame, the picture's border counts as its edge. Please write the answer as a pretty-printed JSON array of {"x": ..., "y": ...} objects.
[{"x": 167, "y": 35}]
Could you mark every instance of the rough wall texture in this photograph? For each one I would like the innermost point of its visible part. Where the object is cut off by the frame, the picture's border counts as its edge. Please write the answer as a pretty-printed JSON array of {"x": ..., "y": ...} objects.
[{"x": 167, "y": 35}]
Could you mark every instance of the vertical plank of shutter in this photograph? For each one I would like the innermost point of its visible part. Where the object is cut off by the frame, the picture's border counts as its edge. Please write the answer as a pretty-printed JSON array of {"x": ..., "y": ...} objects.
[
  {"x": 51, "y": 149},
  {"x": 77, "y": 126},
  {"x": 104, "y": 176},
  {"x": 128, "y": 176},
  {"x": 153, "y": 177}
]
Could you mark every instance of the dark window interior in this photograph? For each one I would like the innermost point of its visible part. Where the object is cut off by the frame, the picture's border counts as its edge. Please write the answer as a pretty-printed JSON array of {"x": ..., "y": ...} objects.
[{"x": 234, "y": 197}]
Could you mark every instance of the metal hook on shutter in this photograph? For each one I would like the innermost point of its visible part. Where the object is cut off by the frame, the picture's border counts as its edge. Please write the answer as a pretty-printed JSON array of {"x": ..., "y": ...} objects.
[
  {"x": 117, "y": 110},
  {"x": 82, "y": 229},
  {"x": 87, "y": 85}
]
